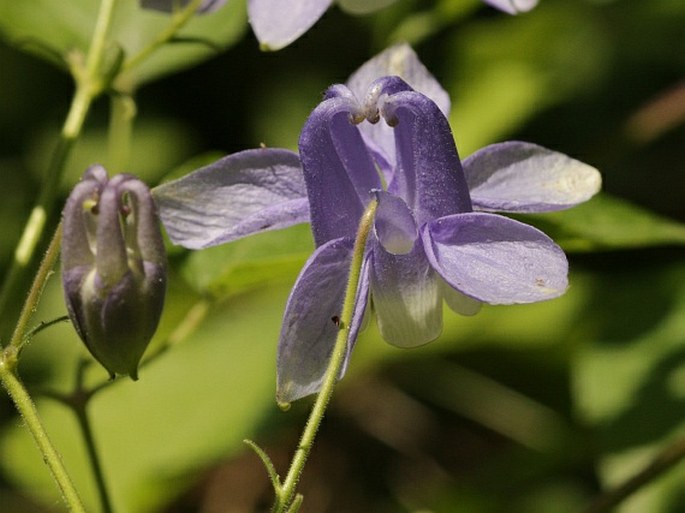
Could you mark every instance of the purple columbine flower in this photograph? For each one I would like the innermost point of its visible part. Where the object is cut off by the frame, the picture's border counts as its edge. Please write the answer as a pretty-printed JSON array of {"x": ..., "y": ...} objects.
[
  {"x": 435, "y": 237},
  {"x": 277, "y": 23},
  {"x": 113, "y": 267}
]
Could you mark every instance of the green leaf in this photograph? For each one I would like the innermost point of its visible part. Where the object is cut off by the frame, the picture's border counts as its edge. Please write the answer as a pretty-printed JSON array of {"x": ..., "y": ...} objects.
[
  {"x": 606, "y": 223},
  {"x": 255, "y": 261},
  {"x": 503, "y": 70},
  {"x": 159, "y": 144},
  {"x": 64, "y": 27}
]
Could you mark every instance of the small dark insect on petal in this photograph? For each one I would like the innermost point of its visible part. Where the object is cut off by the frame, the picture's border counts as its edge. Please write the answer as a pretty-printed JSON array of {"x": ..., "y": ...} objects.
[{"x": 338, "y": 323}]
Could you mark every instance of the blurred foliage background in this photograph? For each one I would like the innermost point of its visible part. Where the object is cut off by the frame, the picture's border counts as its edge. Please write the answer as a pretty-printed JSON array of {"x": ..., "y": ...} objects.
[{"x": 521, "y": 409}]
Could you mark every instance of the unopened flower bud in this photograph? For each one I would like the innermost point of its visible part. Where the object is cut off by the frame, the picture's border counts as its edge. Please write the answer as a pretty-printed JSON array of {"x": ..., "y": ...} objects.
[{"x": 113, "y": 267}]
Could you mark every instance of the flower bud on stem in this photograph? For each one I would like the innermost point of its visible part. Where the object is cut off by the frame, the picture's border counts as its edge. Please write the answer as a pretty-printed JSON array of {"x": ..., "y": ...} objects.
[{"x": 113, "y": 268}]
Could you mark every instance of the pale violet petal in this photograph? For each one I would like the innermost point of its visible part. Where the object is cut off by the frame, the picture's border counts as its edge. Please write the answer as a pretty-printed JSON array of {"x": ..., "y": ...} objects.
[
  {"x": 238, "y": 195},
  {"x": 428, "y": 175},
  {"x": 206, "y": 6},
  {"x": 277, "y": 23},
  {"x": 517, "y": 176},
  {"x": 458, "y": 302},
  {"x": 398, "y": 60},
  {"x": 394, "y": 224},
  {"x": 512, "y": 6},
  {"x": 311, "y": 320},
  {"x": 338, "y": 169},
  {"x": 495, "y": 259},
  {"x": 406, "y": 297}
]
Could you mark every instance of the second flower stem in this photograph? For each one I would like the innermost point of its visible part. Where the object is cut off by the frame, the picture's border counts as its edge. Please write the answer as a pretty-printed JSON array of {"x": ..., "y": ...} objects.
[
  {"x": 27, "y": 409},
  {"x": 286, "y": 500},
  {"x": 88, "y": 86}
]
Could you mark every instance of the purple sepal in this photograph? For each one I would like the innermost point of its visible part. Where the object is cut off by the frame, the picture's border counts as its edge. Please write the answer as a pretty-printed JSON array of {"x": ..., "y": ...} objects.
[
  {"x": 495, "y": 259},
  {"x": 311, "y": 320},
  {"x": 512, "y": 6},
  {"x": 239, "y": 195},
  {"x": 517, "y": 176},
  {"x": 277, "y": 23},
  {"x": 338, "y": 169}
]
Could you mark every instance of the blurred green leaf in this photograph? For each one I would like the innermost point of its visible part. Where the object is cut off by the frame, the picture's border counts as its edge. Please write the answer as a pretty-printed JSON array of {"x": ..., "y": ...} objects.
[
  {"x": 266, "y": 258},
  {"x": 605, "y": 223},
  {"x": 159, "y": 145},
  {"x": 62, "y": 27},
  {"x": 628, "y": 378},
  {"x": 503, "y": 70}
]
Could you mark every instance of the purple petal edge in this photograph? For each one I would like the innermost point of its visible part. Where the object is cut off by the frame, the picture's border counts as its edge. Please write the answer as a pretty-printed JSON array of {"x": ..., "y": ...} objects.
[
  {"x": 495, "y": 259},
  {"x": 310, "y": 322},
  {"x": 277, "y": 23},
  {"x": 516, "y": 176},
  {"x": 244, "y": 193}
]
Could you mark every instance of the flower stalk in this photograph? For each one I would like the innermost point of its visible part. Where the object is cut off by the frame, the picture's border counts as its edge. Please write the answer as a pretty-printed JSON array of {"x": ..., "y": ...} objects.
[
  {"x": 88, "y": 87},
  {"x": 26, "y": 407},
  {"x": 19, "y": 337},
  {"x": 18, "y": 393},
  {"x": 287, "y": 500}
]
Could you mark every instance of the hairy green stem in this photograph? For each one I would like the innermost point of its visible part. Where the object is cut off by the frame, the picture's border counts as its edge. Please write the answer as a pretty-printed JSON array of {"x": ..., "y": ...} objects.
[
  {"x": 98, "y": 42},
  {"x": 287, "y": 500},
  {"x": 88, "y": 86},
  {"x": 19, "y": 337},
  {"x": 18, "y": 393},
  {"x": 27, "y": 409}
]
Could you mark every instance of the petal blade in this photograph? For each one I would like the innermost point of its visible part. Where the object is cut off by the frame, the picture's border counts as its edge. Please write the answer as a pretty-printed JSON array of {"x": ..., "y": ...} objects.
[
  {"x": 309, "y": 328},
  {"x": 517, "y": 176},
  {"x": 494, "y": 259},
  {"x": 394, "y": 224},
  {"x": 428, "y": 175},
  {"x": 277, "y": 23},
  {"x": 338, "y": 170},
  {"x": 242, "y": 194},
  {"x": 406, "y": 297}
]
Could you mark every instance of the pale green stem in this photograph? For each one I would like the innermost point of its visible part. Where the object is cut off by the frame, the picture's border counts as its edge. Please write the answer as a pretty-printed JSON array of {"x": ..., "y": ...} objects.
[
  {"x": 88, "y": 86},
  {"x": 122, "y": 114},
  {"x": 286, "y": 500},
  {"x": 178, "y": 20},
  {"x": 44, "y": 271},
  {"x": 98, "y": 42},
  {"x": 27, "y": 409},
  {"x": 18, "y": 393}
]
